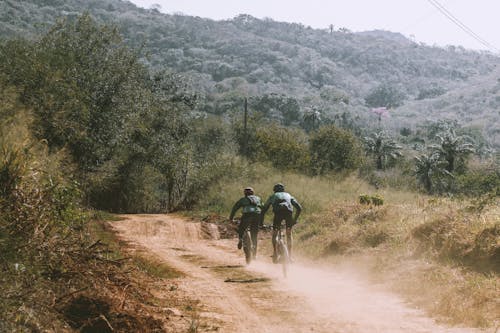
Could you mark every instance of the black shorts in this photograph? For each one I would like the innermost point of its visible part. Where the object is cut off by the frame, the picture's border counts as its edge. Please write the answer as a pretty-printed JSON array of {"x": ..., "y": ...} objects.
[{"x": 280, "y": 216}]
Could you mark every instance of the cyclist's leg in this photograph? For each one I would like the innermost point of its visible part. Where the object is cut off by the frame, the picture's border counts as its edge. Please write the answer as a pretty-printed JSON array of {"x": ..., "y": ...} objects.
[
  {"x": 245, "y": 220},
  {"x": 254, "y": 230}
]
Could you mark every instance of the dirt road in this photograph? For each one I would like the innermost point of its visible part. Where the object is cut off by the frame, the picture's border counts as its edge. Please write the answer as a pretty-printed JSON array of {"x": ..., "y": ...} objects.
[{"x": 256, "y": 298}]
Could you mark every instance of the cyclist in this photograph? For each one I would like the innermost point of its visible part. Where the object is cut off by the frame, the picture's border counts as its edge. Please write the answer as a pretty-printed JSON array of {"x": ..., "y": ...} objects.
[
  {"x": 283, "y": 204},
  {"x": 251, "y": 206}
]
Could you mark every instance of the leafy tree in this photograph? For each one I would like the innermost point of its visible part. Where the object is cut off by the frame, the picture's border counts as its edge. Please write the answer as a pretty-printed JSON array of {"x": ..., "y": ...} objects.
[
  {"x": 80, "y": 80},
  {"x": 276, "y": 106},
  {"x": 334, "y": 149},
  {"x": 385, "y": 96},
  {"x": 382, "y": 148},
  {"x": 127, "y": 130}
]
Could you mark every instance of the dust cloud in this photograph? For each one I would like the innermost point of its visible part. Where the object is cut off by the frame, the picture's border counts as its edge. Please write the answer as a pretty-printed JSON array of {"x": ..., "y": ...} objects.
[{"x": 346, "y": 299}]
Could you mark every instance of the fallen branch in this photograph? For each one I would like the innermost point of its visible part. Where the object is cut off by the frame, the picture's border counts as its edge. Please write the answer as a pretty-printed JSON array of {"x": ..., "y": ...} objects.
[{"x": 69, "y": 294}]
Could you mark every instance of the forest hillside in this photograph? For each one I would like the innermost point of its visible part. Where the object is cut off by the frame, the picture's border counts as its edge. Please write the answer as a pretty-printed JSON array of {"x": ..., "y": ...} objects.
[{"x": 291, "y": 70}]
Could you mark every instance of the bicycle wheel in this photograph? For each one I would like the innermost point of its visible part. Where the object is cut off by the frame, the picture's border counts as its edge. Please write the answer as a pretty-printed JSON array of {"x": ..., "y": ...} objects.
[
  {"x": 247, "y": 246},
  {"x": 284, "y": 258}
]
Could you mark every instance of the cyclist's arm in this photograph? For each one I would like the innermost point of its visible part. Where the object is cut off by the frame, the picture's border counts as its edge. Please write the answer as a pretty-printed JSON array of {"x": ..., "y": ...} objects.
[
  {"x": 264, "y": 210},
  {"x": 236, "y": 206},
  {"x": 268, "y": 203},
  {"x": 298, "y": 208}
]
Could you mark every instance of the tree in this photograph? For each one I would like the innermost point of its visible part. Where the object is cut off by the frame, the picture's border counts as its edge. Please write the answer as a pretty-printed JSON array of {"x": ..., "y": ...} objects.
[
  {"x": 311, "y": 120},
  {"x": 127, "y": 130},
  {"x": 81, "y": 80},
  {"x": 453, "y": 148},
  {"x": 385, "y": 96},
  {"x": 429, "y": 169},
  {"x": 277, "y": 106},
  {"x": 334, "y": 149},
  {"x": 382, "y": 148}
]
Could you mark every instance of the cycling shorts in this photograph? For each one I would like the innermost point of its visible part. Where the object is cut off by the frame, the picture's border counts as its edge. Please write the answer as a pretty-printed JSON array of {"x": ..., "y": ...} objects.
[{"x": 280, "y": 216}]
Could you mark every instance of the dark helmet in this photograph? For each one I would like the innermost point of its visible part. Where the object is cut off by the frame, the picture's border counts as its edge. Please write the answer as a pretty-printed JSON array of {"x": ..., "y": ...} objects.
[
  {"x": 279, "y": 188},
  {"x": 248, "y": 191}
]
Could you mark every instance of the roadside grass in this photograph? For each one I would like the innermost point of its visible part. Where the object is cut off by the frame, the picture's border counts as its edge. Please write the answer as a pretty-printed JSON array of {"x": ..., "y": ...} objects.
[
  {"x": 441, "y": 254},
  {"x": 434, "y": 252},
  {"x": 150, "y": 265}
]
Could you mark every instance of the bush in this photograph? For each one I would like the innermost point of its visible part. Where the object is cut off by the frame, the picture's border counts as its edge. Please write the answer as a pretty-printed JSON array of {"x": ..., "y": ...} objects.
[
  {"x": 41, "y": 226},
  {"x": 375, "y": 200},
  {"x": 285, "y": 148},
  {"x": 478, "y": 182},
  {"x": 456, "y": 238},
  {"x": 334, "y": 149}
]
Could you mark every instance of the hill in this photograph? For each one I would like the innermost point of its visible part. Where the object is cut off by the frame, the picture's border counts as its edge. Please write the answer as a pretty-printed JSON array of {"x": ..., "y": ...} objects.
[{"x": 338, "y": 73}]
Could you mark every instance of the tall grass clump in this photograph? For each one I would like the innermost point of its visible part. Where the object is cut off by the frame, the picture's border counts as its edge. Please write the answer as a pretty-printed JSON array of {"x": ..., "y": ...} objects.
[{"x": 41, "y": 225}]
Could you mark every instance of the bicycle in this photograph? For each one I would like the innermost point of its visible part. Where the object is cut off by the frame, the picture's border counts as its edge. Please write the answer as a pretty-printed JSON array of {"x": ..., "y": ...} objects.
[
  {"x": 282, "y": 255},
  {"x": 248, "y": 247}
]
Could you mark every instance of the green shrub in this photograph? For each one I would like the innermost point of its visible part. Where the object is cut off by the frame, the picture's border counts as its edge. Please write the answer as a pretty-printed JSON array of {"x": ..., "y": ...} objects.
[
  {"x": 365, "y": 199},
  {"x": 375, "y": 200},
  {"x": 478, "y": 182},
  {"x": 285, "y": 148},
  {"x": 334, "y": 149}
]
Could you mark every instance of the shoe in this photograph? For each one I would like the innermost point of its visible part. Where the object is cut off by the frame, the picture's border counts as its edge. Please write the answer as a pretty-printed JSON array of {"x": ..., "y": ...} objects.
[{"x": 240, "y": 244}]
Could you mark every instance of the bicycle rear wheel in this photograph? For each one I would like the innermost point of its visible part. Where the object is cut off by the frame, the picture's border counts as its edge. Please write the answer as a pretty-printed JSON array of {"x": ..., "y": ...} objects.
[
  {"x": 247, "y": 246},
  {"x": 284, "y": 257}
]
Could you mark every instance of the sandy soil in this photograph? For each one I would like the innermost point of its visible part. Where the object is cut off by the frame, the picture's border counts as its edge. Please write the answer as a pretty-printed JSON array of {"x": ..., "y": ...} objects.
[{"x": 259, "y": 298}]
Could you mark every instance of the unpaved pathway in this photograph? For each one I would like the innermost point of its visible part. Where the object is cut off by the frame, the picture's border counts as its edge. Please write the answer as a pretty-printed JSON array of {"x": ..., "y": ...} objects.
[{"x": 309, "y": 300}]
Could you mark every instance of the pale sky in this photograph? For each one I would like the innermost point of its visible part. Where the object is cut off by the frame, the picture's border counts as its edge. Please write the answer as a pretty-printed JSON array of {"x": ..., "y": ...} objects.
[{"x": 417, "y": 19}]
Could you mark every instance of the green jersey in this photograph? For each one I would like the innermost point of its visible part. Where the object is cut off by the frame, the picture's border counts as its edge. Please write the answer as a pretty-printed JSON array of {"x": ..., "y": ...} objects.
[
  {"x": 282, "y": 201},
  {"x": 249, "y": 204}
]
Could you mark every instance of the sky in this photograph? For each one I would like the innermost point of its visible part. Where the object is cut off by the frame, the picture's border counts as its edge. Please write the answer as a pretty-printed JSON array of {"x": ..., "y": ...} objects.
[{"x": 416, "y": 19}]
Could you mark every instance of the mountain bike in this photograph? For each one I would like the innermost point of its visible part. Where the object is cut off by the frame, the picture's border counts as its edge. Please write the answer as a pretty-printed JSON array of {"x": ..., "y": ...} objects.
[
  {"x": 283, "y": 257},
  {"x": 248, "y": 247}
]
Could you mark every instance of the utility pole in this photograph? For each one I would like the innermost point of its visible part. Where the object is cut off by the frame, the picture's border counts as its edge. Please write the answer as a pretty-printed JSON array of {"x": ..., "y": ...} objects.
[{"x": 245, "y": 133}]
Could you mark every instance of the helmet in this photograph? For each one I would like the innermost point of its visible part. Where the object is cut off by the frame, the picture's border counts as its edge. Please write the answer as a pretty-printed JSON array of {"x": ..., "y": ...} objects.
[
  {"x": 279, "y": 187},
  {"x": 248, "y": 191}
]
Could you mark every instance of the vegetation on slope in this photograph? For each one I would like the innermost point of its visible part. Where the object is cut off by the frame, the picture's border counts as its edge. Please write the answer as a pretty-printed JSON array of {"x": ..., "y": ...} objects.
[{"x": 337, "y": 73}]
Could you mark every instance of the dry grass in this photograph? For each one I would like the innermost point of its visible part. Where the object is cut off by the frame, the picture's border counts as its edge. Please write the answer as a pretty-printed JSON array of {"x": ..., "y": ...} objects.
[{"x": 435, "y": 253}]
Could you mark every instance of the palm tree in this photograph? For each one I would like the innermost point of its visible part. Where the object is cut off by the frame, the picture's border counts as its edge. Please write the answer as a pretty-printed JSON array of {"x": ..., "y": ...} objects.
[
  {"x": 453, "y": 148},
  {"x": 429, "y": 168},
  {"x": 311, "y": 120},
  {"x": 383, "y": 148}
]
